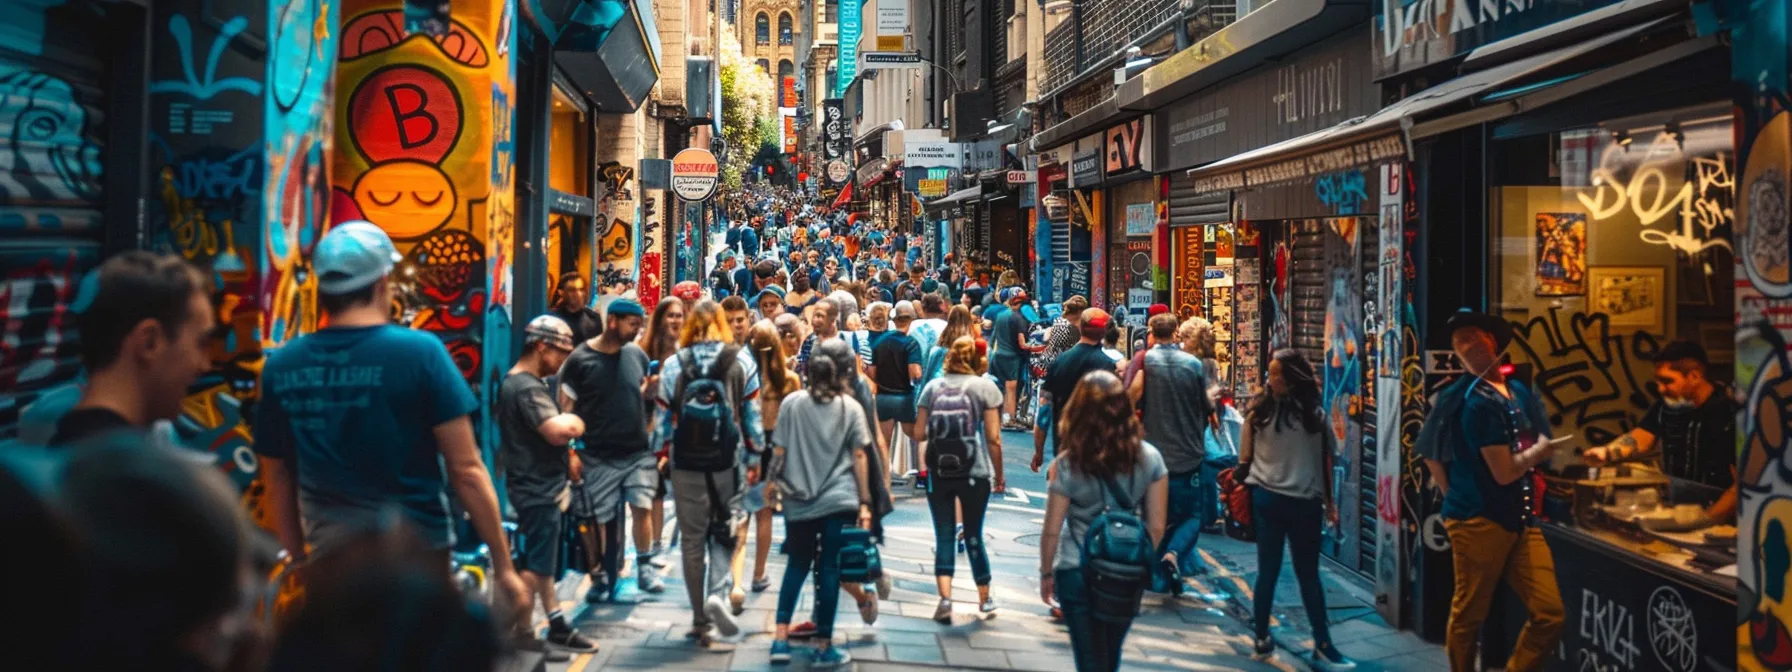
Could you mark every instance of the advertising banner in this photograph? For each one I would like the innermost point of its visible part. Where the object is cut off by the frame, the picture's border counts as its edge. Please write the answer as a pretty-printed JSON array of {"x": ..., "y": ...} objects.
[
  {"x": 850, "y": 27},
  {"x": 892, "y": 25},
  {"x": 834, "y": 131}
]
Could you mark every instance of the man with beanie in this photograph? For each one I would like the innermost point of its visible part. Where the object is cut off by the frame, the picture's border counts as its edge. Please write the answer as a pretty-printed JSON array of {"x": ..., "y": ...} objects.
[
  {"x": 604, "y": 382},
  {"x": 535, "y": 434},
  {"x": 364, "y": 416}
]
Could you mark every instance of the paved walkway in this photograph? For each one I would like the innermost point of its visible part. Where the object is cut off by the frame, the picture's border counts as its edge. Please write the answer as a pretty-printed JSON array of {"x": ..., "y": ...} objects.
[{"x": 1206, "y": 629}]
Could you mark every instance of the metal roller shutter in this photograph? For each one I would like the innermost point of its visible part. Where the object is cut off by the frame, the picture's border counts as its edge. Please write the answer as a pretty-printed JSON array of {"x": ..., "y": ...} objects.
[
  {"x": 1188, "y": 208},
  {"x": 52, "y": 199},
  {"x": 1306, "y": 288}
]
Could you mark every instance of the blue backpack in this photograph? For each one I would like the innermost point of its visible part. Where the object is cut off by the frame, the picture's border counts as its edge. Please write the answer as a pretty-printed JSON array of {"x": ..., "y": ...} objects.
[{"x": 1116, "y": 558}]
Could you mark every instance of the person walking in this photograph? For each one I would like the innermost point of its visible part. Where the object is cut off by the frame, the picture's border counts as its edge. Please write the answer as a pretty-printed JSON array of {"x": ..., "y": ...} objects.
[
  {"x": 709, "y": 423},
  {"x": 1062, "y": 377},
  {"x": 895, "y": 368},
  {"x": 1481, "y": 441},
  {"x": 819, "y": 467},
  {"x": 1105, "y": 470},
  {"x": 1286, "y": 454},
  {"x": 776, "y": 382},
  {"x": 660, "y": 341},
  {"x": 960, "y": 414},
  {"x": 364, "y": 414},
  {"x": 534, "y": 434},
  {"x": 1008, "y": 361},
  {"x": 605, "y": 382},
  {"x": 1171, "y": 390},
  {"x": 571, "y": 297}
]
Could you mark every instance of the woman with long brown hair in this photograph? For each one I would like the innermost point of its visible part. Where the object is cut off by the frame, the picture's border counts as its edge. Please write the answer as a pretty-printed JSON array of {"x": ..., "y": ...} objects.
[
  {"x": 959, "y": 323},
  {"x": 660, "y": 340},
  {"x": 1287, "y": 451},
  {"x": 1103, "y": 465},
  {"x": 776, "y": 381}
]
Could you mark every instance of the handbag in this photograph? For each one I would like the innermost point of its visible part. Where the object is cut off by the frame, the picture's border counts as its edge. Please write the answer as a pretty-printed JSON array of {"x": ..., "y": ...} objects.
[
  {"x": 859, "y": 560},
  {"x": 1236, "y": 495}
]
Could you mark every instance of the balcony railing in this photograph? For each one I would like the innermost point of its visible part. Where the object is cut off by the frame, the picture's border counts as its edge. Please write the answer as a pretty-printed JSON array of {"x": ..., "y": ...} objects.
[{"x": 1107, "y": 27}]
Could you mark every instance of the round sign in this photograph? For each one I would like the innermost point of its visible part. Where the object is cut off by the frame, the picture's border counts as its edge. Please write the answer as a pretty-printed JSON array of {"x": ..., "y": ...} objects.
[
  {"x": 694, "y": 174},
  {"x": 838, "y": 171}
]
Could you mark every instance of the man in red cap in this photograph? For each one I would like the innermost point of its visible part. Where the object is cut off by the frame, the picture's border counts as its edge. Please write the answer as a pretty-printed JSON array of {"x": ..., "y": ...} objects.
[{"x": 1065, "y": 372}]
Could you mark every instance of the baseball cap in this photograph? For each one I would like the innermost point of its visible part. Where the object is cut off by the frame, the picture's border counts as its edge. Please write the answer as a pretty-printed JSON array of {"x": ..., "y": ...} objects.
[
  {"x": 904, "y": 310},
  {"x": 688, "y": 290},
  {"x": 1096, "y": 318},
  {"x": 549, "y": 329},
  {"x": 1012, "y": 294},
  {"x": 1156, "y": 310},
  {"x": 352, "y": 256},
  {"x": 625, "y": 308}
]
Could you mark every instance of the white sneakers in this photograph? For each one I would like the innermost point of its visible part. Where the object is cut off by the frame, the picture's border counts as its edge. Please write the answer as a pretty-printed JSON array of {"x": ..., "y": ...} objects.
[{"x": 717, "y": 610}]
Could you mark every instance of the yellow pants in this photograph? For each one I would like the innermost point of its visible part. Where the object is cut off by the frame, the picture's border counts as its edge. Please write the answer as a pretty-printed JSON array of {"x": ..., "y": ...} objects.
[{"x": 1484, "y": 553}]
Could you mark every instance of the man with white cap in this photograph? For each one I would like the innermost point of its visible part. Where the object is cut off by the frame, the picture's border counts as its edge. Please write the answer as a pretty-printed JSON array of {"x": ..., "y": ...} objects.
[
  {"x": 535, "y": 435},
  {"x": 365, "y": 418}
]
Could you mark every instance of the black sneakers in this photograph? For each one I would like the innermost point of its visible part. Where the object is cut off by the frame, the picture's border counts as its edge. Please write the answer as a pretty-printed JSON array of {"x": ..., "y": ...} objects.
[
  {"x": 570, "y": 639},
  {"x": 526, "y": 643}
]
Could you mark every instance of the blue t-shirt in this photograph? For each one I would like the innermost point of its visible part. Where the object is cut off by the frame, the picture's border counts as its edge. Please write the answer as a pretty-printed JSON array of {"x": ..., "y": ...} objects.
[
  {"x": 355, "y": 409},
  {"x": 1491, "y": 419}
]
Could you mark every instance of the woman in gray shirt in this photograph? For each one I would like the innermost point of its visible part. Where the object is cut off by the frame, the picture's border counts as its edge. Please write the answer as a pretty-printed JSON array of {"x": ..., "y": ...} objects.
[
  {"x": 961, "y": 413},
  {"x": 1103, "y": 445},
  {"x": 1287, "y": 452},
  {"x": 820, "y": 469}
]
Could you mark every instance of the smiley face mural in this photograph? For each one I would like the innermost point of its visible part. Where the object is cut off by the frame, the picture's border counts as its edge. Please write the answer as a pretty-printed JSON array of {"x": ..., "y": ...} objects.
[{"x": 423, "y": 138}]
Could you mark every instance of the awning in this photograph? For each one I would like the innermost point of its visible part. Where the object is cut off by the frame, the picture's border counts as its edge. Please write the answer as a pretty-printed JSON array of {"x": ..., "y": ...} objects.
[
  {"x": 1378, "y": 137},
  {"x": 844, "y": 198},
  {"x": 608, "y": 48},
  {"x": 957, "y": 198}
]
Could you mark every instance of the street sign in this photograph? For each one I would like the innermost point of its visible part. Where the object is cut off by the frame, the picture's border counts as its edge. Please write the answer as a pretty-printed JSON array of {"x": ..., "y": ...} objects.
[
  {"x": 886, "y": 60},
  {"x": 838, "y": 171},
  {"x": 1020, "y": 176},
  {"x": 694, "y": 174}
]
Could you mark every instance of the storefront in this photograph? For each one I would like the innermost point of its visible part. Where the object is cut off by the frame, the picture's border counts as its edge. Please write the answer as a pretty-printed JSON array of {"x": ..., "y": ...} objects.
[{"x": 1065, "y": 229}]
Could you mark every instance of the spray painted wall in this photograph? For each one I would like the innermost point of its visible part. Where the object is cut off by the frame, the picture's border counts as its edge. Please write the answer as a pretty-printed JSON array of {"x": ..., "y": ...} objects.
[{"x": 424, "y": 149}]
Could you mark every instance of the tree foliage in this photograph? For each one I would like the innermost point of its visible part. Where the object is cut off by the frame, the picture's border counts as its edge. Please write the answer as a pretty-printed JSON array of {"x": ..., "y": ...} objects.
[{"x": 749, "y": 109}]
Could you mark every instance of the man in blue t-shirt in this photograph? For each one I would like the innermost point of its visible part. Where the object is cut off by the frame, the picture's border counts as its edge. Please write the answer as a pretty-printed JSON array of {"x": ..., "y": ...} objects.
[
  {"x": 366, "y": 417},
  {"x": 1489, "y": 486}
]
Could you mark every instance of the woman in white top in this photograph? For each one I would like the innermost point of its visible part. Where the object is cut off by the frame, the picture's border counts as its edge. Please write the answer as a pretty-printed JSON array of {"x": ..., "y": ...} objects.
[
  {"x": 1287, "y": 452},
  {"x": 961, "y": 413}
]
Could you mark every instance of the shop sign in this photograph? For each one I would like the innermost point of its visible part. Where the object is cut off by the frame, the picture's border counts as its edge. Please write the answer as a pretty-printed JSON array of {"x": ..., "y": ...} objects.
[
  {"x": 850, "y": 27},
  {"x": 932, "y": 153},
  {"x": 1126, "y": 146},
  {"x": 1315, "y": 89},
  {"x": 1411, "y": 34},
  {"x": 694, "y": 174},
  {"x": 838, "y": 171},
  {"x": 930, "y": 182},
  {"x": 1053, "y": 172},
  {"x": 1354, "y": 155},
  {"x": 1020, "y": 177},
  {"x": 1077, "y": 275},
  {"x": 833, "y": 129},
  {"x": 892, "y": 25},
  {"x": 1085, "y": 169}
]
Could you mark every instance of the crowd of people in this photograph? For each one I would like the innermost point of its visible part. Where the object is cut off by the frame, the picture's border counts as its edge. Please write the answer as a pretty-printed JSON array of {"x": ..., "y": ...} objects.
[{"x": 822, "y": 365}]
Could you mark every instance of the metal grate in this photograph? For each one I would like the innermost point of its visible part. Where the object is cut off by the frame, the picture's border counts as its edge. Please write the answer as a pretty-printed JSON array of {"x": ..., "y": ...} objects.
[{"x": 1107, "y": 27}]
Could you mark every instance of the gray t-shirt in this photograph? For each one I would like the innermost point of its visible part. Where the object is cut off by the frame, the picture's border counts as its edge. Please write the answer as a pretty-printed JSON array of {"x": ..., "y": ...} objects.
[
  {"x": 1175, "y": 407},
  {"x": 983, "y": 395},
  {"x": 1088, "y": 498},
  {"x": 818, "y": 441},
  {"x": 606, "y": 394},
  {"x": 535, "y": 470},
  {"x": 1288, "y": 459}
]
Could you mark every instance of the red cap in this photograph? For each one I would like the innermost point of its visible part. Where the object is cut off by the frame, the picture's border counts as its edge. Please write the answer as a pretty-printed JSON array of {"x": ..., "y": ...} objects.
[
  {"x": 1156, "y": 310},
  {"x": 688, "y": 290},
  {"x": 1096, "y": 318}
]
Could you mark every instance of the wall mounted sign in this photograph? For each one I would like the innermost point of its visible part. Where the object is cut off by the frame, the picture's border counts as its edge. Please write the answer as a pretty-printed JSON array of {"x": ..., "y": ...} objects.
[
  {"x": 850, "y": 26},
  {"x": 834, "y": 130},
  {"x": 1085, "y": 169},
  {"x": 1020, "y": 177},
  {"x": 1303, "y": 167},
  {"x": 1125, "y": 146},
  {"x": 1316, "y": 88},
  {"x": 838, "y": 171},
  {"x": 1411, "y": 34},
  {"x": 694, "y": 174}
]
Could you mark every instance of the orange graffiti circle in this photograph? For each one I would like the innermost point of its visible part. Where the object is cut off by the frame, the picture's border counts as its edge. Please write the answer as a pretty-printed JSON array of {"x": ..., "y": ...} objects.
[{"x": 406, "y": 198}]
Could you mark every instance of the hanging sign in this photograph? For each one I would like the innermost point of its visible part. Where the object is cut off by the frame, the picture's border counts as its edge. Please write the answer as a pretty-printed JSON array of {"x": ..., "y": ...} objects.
[
  {"x": 838, "y": 171},
  {"x": 694, "y": 174}
]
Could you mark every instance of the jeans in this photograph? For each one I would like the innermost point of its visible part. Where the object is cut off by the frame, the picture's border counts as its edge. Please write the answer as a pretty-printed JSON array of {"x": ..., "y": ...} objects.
[
  {"x": 1094, "y": 643},
  {"x": 973, "y": 495},
  {"x": 1484, "y": 553},
  {"x": 1184, "y": 522},
  {"x": 1298, "y": 521},
  {"x": 690, "y": 490},
  {"x": 1210, "y": 485},
  {"x": 803, "y": 539}
]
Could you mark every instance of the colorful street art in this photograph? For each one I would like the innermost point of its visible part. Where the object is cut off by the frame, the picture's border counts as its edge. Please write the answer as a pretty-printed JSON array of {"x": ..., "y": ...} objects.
[
  {"x": 1342, "y": 373},
  {"x": 615, "y": 237},
  {"x": 424, "y": 148}
]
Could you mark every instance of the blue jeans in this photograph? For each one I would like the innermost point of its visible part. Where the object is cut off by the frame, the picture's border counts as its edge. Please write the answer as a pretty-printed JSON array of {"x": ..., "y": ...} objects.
[
  {"x": 1094, "y": 643},
  {"x": 1210, "y": 485},
  {"x": 1299, "y": 521},
  {"x": 803, "y": 539},
  {"x": 1184, "y": 520},
  {"x": 973, "y": 495}
]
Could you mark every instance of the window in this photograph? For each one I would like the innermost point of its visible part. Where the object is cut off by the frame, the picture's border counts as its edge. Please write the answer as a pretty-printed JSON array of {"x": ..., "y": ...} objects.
[
  {"x": 830, "y": 13},
  {"x": 785, "y": 69},
  {"x": 784, "y": 28},
  {"x": 763, "y": 29}
]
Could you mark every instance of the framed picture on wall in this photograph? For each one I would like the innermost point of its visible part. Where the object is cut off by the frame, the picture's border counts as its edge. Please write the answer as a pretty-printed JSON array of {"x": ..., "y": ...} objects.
[
  {"x": 1631, "y": 297},
  {"x": 1561, "y": 242}
]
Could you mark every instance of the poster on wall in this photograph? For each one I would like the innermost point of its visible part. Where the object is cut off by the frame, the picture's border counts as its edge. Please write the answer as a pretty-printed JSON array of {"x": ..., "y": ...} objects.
[
  {"x": 1246, "y": 320},
  {"x": 1219, "y": 312},
  {"x": 1561, "y": 241},
  {"x": 1141, "y": 219},
  {"x": 1632, "y": 296},
  {"x": 1224, "y": 252}
]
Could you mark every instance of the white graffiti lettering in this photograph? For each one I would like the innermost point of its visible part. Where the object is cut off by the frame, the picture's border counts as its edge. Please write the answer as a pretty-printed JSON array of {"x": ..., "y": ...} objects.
[
  {"x": 1608, "y": 627},
  {"x": 1658, "y": 187}
]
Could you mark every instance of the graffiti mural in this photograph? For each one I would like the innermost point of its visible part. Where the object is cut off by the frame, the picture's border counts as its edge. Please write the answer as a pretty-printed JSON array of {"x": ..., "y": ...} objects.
[
  {"x": 1676, "y": 187},
  {"x": 1342, "y": 373},
  {"x": 424, "y": 148},
  {"x": 615, "y": 259},
  {"x": 1593, "y": 380}
]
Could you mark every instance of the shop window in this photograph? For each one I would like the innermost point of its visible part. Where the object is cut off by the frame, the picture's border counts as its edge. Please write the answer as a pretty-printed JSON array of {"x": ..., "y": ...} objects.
[
  {"x": 762, "y": 29},
  {"x": 784, "y": 36}
]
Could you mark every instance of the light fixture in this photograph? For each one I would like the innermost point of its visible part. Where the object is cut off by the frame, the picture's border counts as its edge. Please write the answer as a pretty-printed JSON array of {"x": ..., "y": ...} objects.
[{"x": 1622, "y": 138}]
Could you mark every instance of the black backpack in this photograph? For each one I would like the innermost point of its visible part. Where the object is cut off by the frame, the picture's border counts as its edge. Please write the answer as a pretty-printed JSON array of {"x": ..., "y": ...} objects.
[
  {"x": 706, "y": 433},
  {"x": 951, "y": 432},
  {"x": 1116, "y": 558}
]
